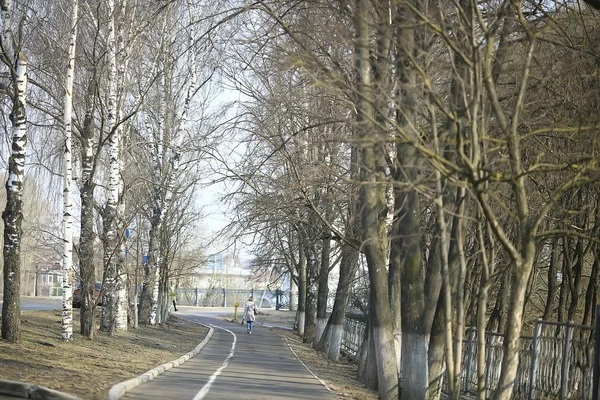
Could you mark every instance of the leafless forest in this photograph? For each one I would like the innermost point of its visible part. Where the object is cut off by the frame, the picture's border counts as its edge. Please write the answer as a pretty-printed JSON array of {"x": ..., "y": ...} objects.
[{"x": 431, "y": 163}]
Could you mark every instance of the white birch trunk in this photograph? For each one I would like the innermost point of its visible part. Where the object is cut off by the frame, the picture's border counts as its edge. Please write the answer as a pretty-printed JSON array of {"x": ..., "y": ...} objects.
[
  {"x": 114, "y": 317},
  {"x": 67, "y": 313},
  {"x": 13, "y": 213}
]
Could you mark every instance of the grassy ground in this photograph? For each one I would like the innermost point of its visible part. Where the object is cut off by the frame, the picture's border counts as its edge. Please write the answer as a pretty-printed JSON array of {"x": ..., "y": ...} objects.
[{"x": 89, "y": 368}]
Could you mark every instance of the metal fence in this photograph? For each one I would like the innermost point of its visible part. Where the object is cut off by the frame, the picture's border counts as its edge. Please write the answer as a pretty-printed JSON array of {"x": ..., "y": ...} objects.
[
  {"x": 353, "y": 336},
  {"x": 555, "y": 363},
  {"x": 221, "y": 297}
]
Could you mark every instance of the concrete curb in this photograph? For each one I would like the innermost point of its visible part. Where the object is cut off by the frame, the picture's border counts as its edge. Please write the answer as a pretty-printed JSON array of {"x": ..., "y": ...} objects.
[
  {"x": 24, "y": 390},
  {"x": 118, "y": 390}
]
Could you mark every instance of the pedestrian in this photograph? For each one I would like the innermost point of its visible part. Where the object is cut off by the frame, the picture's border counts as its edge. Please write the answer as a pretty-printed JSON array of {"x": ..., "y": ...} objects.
[
  {"x": 250, "y": 310},
  {"x": 174, "y": 296}
]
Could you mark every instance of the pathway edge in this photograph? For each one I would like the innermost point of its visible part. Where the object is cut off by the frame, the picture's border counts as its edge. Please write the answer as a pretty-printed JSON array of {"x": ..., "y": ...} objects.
[{"x": 118, "y": 390}]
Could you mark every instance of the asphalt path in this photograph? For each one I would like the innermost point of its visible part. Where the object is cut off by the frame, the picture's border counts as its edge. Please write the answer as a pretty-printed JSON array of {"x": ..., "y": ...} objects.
[
  {"x": 235, "y": 365},
  {"x": 39, "y": 303}
]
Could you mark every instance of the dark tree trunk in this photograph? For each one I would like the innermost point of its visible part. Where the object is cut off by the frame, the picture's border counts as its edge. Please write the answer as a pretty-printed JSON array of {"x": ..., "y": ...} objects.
[
  {"x": 87, "y": 269},
  {"x": 302, "y": 285},
  {"x": 372, "y": 192},
  {"x": 332, "y": 337},
  {"x": 436, "y": 352},
  {"x": 407, "y": 209},
  {"x": 367, "y": 364},
  {"x": 497, "y": 316},
  {"x": 552, "y": 270},
  {"x": 323, "y": 291},
  {"x": 564, "y": 290},
  {"x": 152, "y": 259},
  {"x": 311, "y": 294},
  {"x": 590, "y": 292}
]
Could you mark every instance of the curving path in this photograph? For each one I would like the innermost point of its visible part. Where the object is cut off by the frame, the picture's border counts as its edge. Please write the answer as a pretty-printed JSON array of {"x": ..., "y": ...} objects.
[{"x": 235, "y": 365}]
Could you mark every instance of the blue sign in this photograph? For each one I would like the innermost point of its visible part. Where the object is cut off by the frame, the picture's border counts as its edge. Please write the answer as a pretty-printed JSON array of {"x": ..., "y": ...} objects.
[
  {"x": 145, "y": 260},
  {"x": 127, "y": 233}
]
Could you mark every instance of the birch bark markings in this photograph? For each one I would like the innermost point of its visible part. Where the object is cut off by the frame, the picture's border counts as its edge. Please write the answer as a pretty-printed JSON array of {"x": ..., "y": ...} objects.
[
  {"x": 113, "y": 317},
  {"x": 16, "y": 62},
  {"x": 67, "y": 313},
  {"x": 13, "y": 213}
]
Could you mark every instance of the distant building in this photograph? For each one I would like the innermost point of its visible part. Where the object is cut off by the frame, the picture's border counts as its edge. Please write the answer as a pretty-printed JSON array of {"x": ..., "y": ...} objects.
[
  {"x": 223, "y": 270},
  {"x": 45, "y": 279}
]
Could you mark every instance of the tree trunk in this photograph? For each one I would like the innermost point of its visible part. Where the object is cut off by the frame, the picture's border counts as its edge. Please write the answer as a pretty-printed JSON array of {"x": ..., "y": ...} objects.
[
  {"x": 486, "y": 245},
  {"x": 312, "y": 267},
  {"x": 302, "y": 286},
  {"x": 436, "y": 352},
  {"x": 114, "y": 301},
  {"x": 87, "y": 269},
  {"x": 407, "y": 209},
  {"x": 414, "y": 341},
  {"x": 13, "y": 213},
  {"x": 552, "y": 270},
  {"x": 510, "y": 361},
  {"x": 332, "y": 339},
  {"x": 373, "y": 206},
  {"x": 67, "y": 266},
  {"x": 323, "y": 291},
  {"x": 366, "y": 360}
]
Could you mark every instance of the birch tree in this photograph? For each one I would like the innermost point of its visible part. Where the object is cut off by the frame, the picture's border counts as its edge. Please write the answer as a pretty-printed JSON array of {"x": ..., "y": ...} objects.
[
  {"x": 16, "y": 62},
  {"x": 169, "y": 129},
  {"x": 114, "y": 310},
  {"x": 67, "y": 265}
]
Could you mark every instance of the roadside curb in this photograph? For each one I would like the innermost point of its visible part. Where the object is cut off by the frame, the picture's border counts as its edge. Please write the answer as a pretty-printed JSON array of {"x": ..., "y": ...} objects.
[
  {"x": 118, "y": 390},
  {"x": 24, "y": 390}
]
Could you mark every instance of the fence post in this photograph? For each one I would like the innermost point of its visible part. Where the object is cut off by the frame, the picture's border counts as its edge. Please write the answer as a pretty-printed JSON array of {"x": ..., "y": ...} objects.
[
  {"x": 537, "y": 332},
  {"x": 595, "y": 384},
  {"x": 196, "y": 299},
  {"x": 564, "y": 370},
  {"x": 472, "y": 343},
  {"x": 224, "y": 297}
]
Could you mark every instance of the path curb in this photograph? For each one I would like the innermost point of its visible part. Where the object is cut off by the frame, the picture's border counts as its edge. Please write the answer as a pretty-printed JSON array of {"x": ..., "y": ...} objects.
[
  {"x": 118, "y": 390},
  {"x": 24, "y": 390}
]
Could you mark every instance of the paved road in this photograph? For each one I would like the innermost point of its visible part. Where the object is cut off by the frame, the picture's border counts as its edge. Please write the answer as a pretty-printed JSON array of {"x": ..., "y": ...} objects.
[
  {"x": 39, "y": 303},
  {"x": 235, "y": 365}
]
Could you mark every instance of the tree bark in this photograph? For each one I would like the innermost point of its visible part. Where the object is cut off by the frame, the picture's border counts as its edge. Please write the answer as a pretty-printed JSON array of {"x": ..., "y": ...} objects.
[
  {"x": 87, "y": 269},
  {"x": 302, "y": 285},
  {"x": 373, "y": 207},
  {"x": 13, "y": 213},
  {"x": 332, "y": 339},
  {"x": 323, "y": 291},
  {"x": 67, "y": 266},
  {"x": 114, "y": 301}
]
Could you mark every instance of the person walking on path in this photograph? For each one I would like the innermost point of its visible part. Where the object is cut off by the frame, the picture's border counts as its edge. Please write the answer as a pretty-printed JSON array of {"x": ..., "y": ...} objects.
[{"x": 250, "y": 310}]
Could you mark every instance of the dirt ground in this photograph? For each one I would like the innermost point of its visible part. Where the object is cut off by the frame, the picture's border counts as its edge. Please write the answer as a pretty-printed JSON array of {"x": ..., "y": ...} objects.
[{"x": 89, "y": 368}]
